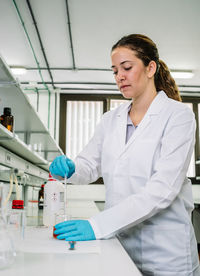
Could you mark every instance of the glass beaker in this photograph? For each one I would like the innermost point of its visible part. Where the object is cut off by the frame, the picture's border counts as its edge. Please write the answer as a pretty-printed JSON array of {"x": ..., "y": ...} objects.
[
  {"x": 16, "y": 222},
  {"x": 7, "y": 251},
  {"x": 60, "y": 218}
]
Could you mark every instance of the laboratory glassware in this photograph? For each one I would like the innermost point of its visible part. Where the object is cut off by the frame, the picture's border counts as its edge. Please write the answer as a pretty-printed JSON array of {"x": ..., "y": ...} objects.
[
  {"x": 7, "y": 251},
  {"x": 7, "y": 119},
  {"x": 16, "y": 222}
]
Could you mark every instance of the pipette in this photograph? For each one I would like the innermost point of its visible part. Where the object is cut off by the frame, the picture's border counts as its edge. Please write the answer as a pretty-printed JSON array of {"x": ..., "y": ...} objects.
[{"x": 65, "y": 197}]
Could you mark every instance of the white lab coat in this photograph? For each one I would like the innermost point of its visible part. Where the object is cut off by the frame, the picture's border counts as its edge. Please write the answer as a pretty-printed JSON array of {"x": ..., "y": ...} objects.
[{"x": 148, "y": 196}]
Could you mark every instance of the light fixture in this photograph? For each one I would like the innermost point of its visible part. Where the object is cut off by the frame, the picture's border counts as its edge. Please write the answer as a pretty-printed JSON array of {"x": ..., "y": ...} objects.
[
  {"x": 18, "y": 70},
  {"x": 182, "y": 74}
]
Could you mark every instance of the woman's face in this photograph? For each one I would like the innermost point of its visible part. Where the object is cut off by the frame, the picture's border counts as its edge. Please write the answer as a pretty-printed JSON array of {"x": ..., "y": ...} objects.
[{"x": 130, "y": 73}]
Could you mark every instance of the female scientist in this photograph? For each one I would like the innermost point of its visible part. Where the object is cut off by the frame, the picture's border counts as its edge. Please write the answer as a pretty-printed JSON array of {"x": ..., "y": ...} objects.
[{"x": 142, "y": 149}]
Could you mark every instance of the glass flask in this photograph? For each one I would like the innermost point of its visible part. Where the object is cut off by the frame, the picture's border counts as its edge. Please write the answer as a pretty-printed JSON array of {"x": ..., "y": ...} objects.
[{"x": 7, "y": 251}]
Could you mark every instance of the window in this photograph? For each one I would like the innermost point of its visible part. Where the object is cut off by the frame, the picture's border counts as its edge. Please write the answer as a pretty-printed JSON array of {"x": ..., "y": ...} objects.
[{"x": 81, "y": 120}]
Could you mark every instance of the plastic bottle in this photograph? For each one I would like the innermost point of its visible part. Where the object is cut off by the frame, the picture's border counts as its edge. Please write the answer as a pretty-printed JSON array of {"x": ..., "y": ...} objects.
[
  {"x": 7, "y": 251},
  {"x": 7, "y": 120},
  {"x": 53, "y": 201}
]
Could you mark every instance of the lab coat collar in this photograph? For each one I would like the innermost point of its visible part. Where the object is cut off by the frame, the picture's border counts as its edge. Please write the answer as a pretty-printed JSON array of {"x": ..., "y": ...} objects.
[
  {"x": 157, "y": 104},
  {"x": 154, "y": 109}
]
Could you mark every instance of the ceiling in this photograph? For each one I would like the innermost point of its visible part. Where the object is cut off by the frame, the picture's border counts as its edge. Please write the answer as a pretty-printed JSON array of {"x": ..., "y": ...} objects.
[{"x": 65, "y": 45}]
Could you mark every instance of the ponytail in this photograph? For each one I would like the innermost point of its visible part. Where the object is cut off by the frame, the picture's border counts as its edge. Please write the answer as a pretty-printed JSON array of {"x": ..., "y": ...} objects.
[{"x": 165, "y": 82}]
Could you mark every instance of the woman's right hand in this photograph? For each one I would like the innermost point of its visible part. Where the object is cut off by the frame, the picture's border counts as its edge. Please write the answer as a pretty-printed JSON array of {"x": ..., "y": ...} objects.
[{"x": 62, "y": 166}]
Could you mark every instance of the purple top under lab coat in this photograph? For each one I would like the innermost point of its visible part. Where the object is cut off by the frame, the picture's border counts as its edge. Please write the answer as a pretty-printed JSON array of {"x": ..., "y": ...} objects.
[{"x": 130, "y": 128}]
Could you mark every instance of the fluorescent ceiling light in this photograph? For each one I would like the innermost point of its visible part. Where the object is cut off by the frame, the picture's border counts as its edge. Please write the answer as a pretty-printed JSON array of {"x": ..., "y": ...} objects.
[
  {"x": 182, "y": 74},
  {"x": 18, "y": 70}
]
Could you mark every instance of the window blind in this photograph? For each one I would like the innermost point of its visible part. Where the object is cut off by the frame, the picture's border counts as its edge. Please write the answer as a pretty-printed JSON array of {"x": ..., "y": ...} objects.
[{"x": 82, "y": 117}]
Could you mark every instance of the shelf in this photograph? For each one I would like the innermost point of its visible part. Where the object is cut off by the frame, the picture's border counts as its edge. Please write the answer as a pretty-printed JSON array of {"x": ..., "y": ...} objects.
[
  {"x": 6, "y": 76},
  {"x": 26, "y": 123},
  {"x": 11, "y": 142}
]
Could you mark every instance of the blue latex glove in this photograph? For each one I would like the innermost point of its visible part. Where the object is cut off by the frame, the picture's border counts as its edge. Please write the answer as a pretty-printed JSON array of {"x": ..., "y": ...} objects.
[
  {"x": 74, "y": 230},
  {"x": 62, "y": 166}
]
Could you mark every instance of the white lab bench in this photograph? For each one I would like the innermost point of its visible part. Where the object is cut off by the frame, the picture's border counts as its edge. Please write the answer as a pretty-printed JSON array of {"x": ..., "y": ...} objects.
[{"x": 109, "y": 259}]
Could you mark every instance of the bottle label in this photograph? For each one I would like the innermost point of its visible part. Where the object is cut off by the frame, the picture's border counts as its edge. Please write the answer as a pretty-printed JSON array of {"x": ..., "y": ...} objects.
[
  {"x": 53, "y": 204},
  {"x": 41, "y": 203}
]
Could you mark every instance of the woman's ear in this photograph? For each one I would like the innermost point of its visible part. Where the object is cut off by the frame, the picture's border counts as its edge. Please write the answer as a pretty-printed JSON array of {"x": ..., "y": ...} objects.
[{"x": 151, "y": 68}]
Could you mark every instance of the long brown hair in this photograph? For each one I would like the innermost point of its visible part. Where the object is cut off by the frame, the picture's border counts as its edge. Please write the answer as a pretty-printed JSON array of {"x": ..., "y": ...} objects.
[{"x": 146, "y": 50}]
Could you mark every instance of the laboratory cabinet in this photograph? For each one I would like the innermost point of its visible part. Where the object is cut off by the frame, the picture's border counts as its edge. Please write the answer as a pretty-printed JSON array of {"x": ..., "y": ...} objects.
[
  {"x": 29, "y": 131},
  {"x": 17, "y": 147},
  {"x": 27, "y": 151},
  {"x": 12, "y": 142},
  {"x": 10, "y": 162}
]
